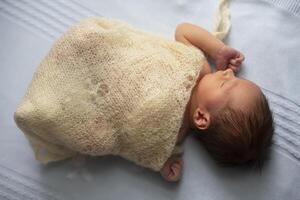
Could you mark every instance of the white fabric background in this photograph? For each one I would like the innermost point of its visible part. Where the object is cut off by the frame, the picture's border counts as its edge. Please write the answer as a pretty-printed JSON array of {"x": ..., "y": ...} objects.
[{"x": 267, "y": 32}]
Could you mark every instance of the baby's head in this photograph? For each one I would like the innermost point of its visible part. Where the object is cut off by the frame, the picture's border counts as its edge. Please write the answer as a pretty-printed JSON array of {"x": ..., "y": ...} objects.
[{"x": 232, "y": 119}]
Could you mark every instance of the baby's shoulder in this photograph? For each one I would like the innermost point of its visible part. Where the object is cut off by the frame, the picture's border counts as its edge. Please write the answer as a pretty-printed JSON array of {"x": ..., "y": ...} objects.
[{"x": 206, "y": 69}]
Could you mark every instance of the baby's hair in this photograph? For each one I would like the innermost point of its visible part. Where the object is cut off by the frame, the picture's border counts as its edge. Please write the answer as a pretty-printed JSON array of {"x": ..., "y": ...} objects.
[{"x": 239, "y": 138}]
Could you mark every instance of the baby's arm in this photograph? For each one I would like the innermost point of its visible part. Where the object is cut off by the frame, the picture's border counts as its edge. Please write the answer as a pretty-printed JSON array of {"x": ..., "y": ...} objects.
[
  {"x": 191, "y": 34},
  {"x": 222, "y": 55}
]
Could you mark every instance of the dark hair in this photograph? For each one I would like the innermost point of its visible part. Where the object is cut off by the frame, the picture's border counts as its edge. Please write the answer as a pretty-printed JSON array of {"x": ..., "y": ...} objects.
[{"x": 236, "y": 137}]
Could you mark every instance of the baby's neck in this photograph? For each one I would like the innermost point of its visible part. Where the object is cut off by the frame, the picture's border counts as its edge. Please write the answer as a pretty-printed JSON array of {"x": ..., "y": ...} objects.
[
  {"x": 192, "y": 104},
  {"x": 187, "y": 123},
  {"x": 185, "y": 126}
]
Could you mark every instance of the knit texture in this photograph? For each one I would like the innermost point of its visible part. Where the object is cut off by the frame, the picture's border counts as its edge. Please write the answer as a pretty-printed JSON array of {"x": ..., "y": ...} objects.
[
  {"x": 108, "y": 88},
  {"x": 222, "y": 22}
]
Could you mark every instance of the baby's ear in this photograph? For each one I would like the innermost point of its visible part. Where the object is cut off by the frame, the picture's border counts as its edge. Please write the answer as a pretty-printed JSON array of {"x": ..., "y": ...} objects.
[{"x": 201, "y": 118}]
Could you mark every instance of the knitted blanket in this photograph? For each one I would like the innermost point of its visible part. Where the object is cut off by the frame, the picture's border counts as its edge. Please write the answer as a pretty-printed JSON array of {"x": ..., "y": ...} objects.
[{"x": 107, "y": 88}]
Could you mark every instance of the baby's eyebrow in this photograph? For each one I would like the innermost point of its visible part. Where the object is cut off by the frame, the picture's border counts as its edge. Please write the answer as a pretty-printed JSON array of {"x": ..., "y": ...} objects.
[
  {"x": 223, "y": 83},
  {"x": 234, "y": 83}
]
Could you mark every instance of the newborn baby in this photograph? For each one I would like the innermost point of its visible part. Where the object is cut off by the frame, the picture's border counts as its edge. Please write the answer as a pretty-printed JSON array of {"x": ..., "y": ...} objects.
[
  {"x": 106, "y": 88},
  {"x": 229, "y": 115}
]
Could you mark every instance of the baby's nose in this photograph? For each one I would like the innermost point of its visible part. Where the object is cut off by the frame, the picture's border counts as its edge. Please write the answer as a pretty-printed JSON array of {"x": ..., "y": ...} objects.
[{"x": 228, "y": 72}]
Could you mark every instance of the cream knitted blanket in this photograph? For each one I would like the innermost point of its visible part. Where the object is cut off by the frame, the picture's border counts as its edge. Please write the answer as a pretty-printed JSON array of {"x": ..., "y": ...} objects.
[{"x": 106, "y": 88}]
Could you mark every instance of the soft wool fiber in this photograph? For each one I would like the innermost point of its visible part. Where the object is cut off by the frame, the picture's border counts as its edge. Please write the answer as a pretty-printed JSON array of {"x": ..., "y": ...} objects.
[{"x": 106, "y": 88}]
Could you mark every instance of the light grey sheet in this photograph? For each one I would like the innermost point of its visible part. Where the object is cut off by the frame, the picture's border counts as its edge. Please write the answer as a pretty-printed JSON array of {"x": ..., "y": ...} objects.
[{"x": 267, "y": 32}]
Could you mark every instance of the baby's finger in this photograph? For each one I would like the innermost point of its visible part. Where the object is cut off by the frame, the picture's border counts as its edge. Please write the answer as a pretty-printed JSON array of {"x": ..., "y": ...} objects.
[
  {"x": 233, "y": 61},
  {"x": 236, "y": 62},
  {"x": 234, "y": 68},
  {"x": 241, "y": 57}
]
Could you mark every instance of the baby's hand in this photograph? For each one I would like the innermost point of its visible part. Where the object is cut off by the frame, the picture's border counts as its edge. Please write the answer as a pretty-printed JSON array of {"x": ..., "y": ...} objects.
[
  {"x": 172, "y": 169},
  {"x": 228, "y": 57}
]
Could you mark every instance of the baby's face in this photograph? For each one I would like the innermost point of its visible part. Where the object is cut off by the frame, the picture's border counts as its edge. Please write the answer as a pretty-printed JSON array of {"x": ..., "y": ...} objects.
[{"x": 218, "y": 89}]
